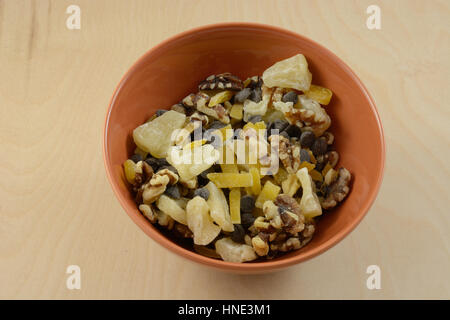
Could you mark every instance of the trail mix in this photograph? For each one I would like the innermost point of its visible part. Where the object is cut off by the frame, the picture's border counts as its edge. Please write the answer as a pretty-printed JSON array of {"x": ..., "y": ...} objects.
[{"x": 241, "y": 210}]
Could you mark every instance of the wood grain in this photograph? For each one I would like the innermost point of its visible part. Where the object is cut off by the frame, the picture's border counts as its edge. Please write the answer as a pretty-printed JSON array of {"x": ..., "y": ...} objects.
[{"x": 56, "y": 205}]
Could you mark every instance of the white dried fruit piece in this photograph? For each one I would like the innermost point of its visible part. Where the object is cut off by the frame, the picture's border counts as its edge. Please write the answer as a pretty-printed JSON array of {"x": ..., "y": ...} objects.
[
  {"x": 234, "y": 252},
  {"x": 289, "y": 73},
  {"x": 155, "y": 136},
  {"x": 252, "y": 108},
  {"x": 200, "y": 222},
  {"x": 220, "y": 211},
  {"x": 190, "y": 163},
  {"x": 309, "y": 204},
  {"x": 171, "y": 208}
]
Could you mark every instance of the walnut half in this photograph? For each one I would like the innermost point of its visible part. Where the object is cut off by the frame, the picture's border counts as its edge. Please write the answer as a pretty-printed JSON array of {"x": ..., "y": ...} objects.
[{"x": 338, "y": 190}]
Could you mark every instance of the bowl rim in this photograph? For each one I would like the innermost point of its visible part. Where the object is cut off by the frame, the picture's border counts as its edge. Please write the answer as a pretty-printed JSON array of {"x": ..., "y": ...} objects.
[{"x": 262, "y": 266}]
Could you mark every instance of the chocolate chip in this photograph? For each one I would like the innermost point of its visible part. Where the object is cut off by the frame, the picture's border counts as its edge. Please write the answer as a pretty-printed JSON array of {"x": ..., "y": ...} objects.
[
  {"x": 285, "y": 134},
  {"x": 160, "y": 112},
  {"x": 247, "y": 220},
  {"x": 293, "y": 131},
  {"x": 291, "y": 96},
  {"x": 255, "y": 119},
  {"x": 136, "y": 158},
  {"x": 216, "y": 125},
  {"x": 242, "y": 95},
  {"x": 319, "y": 146},
  {"x": 247, "y": 203},
  {"x": 280, "y": 125},
  {"x": 319, "y": 166},
  {"x": 304, "y": 156},
  {"x": 307, "y": 139},
  {"x": 152, "y": 162},
  {"x": 238, "y": 234},
  {"x": 202, "y": 192},
  {"x": 162, "y": 162},
  {"x": 256, "y": 95},
  {"x": 173, "y": 192}
]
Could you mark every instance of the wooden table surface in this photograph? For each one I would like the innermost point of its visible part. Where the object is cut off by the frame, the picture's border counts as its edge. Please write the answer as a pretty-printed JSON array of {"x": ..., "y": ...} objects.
[{"x": 56, "y": 205}]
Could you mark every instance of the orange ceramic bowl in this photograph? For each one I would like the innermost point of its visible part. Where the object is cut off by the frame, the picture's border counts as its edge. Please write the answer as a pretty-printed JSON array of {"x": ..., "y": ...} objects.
[{"x": 172, "y": 70}]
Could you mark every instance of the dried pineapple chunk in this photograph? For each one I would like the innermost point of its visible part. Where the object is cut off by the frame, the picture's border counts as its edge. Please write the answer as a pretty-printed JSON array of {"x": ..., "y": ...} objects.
[
  {"x": 190, "y": 163},
  {"x": 155, "y": 136},
  {"x": 231, "y": 180},
  {"x": 235, "y": 205},
  {"x": 269, "y": 192},
  {"x": 280, "y": 176},
  {"x": 194, "y": 144},
  {"x": 316, "y": 175},
  {"x": 326, "y": 169},
  {"x": 200, "y": 222},
  {"x": 320, "y": 94},
  {"x": 171, "y": 208},
  {"x": 308, "y": 165},
  {"x": 229, "y": 168},
  {"x": 290, "y": 185},
  {"x": 309, "y": 204},
  {"x": 220, "y": 97},
  {"x": 218, "y": 205},
  {"x": 237, "y": 111},
  {"x": 234, "y": 252},
  {"x": 256, "y": 187},
  {"x": 289, "y": 73}
]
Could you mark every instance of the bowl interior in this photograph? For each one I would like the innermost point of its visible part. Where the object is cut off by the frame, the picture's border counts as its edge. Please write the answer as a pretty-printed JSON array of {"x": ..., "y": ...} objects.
[{"x": 170, "y": 71}]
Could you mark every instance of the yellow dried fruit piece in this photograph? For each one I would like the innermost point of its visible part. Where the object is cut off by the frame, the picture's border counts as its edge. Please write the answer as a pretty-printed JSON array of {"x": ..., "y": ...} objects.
[
  {"x": 256, "y": 187},
  {"x": 229, "y": 168},
  {"x": 280, "y": 176},
  {"x": 289, "y": 73},
  {"x": 320, "y": 94},
  {"x": 316, "y": 175},
  {"x": 260, "y": 125},
  {"x": 306, "y": 164},
  {"x": 130, "y": 170},
  {"x": 231, "y": 180},
  {"x": 220, "y": 97},
  {"x": 326, "y": 169},
  {"x": 155, "y": 136},
  {"x": 194, "y": 144},
  {"x": 235, "y": 205},
  {"x": 236, "y": 111},
  {"x": 269, "y": 192},
  {"x": 224, "y": 133},
  {"x": 290, "y": 185}
]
